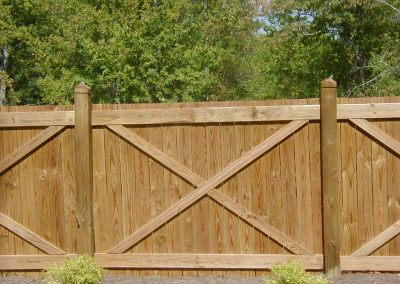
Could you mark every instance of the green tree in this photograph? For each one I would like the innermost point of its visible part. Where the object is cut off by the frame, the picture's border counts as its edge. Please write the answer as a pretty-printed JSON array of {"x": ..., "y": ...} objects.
[
  {"x": 355, "y": 41},
  {"x": 130, "y": 51}
]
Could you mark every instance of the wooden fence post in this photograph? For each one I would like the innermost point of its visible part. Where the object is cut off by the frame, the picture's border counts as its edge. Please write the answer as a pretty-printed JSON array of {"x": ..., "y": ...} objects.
[
  {"x": 330, "y": 193},
  {"x": 84, "y": 169}
]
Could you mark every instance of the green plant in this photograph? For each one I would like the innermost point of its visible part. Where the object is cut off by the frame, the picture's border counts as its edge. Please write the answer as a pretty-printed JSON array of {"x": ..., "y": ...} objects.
[
  {"x": 78, "y": 270},
  {"x": 294, "y": 273}
]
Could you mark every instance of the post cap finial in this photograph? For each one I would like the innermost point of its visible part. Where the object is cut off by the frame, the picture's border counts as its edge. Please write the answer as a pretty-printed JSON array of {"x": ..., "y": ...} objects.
[
  {"x": 328, "y": 83},
  {"x": 82, "y": 88}
]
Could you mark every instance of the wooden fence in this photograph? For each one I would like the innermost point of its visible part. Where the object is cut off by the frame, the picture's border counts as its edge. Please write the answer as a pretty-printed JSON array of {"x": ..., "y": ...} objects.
[{"x": 227, "y": 188}]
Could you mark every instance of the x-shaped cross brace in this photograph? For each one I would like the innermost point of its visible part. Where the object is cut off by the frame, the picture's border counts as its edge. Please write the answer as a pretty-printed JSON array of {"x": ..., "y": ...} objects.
[{"x": 208, "y": 187}]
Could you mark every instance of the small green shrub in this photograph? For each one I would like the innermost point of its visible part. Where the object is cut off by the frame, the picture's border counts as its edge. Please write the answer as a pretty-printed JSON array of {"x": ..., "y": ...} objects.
[
  {"x": 78, "y": 270},
  {"x": 294, "y": 273}
]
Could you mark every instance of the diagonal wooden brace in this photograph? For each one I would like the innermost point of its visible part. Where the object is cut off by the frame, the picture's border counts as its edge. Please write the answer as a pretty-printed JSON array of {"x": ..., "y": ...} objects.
[
  {"x": 29, "y": 236},
  {"x": 207, "y": 187},
  {"x": 29, "y": 147},
  {"x": 379, "y": 240},
  {"x": 378, "y": 134}
]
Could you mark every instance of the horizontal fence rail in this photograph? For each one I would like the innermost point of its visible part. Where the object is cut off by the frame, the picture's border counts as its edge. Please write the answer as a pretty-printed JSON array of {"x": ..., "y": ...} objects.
[{"x": 200, "y": 115}]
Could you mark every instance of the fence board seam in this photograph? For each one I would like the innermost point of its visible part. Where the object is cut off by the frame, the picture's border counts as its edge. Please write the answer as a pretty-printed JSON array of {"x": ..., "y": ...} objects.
[
  {"x": 218, "y": 196},
  {"x": 29, "y": 236},
  {"x": 378, "y": 134},
  {"x": 192, "y": 197},
  {"x": 29, "y": 147},
  {"x": 379, "y": 240}
]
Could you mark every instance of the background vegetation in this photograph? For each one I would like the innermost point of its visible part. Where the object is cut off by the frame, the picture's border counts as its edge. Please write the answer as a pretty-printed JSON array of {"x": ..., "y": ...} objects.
[{"x": 196, "y": 50}]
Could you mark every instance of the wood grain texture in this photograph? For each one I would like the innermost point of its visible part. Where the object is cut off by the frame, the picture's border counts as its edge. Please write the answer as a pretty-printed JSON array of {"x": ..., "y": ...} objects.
[
  {"x": 37, "y": 118},
  {"x": 205, "y": 261},
  {"x": 231, "y": 205},
  {"x": 28, "y": 235},
  {"x": 200, "y": 115},
  {"x": 192, "y": 197},
  {"x": 84, "y": 170},
  {"x": 245, "y": 218},
  {"x": 378, "y": 134},
  {"x": 393, "y": 178},
  {"x": 378, "y": 240},
  {"x": 241, "y": 114},
  {"x": 370, "y": 263},
  {"x": 29, "y": 147},
  {"x": 31, "y": 262},
  {"x": 379, "y": 185},
  {"x": 331, "y": 205}
]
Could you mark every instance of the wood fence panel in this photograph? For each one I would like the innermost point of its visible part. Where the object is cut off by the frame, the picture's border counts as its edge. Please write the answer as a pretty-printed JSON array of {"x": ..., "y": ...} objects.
[{"x": 282, "y": 187}]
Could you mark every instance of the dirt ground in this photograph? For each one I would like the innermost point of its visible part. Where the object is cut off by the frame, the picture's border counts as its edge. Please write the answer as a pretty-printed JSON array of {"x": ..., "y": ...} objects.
[{"x": 352, "y": 278}]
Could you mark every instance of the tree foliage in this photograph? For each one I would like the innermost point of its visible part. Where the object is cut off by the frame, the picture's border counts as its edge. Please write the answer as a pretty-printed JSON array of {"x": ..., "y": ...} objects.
[
  {"x": 196, "y": 50},
  {"x": 355, "y": 41},
  {"x": 129, "y": 50}
]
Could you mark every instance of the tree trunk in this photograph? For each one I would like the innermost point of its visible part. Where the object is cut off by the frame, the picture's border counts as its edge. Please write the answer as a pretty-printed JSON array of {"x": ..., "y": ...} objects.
[
  {"x": 2, "y": 92},
  {"x": 3, "y": 62}
]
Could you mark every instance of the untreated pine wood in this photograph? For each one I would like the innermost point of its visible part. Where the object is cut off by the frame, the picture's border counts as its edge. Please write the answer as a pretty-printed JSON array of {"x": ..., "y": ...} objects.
[
  {"x": 330, "y": 194},
  {"x": 204, "y": 261},
  {"x": 199, "y": 115},
  {"x": 378, "y": 134},
  {"x": 370, "y": 263},
  {"x": 29, "y": 236},
  {"x": 31, "y": 262},
  {"x": 206, "y": 115},
  {"x": 379, "y": 240},
  {"x": 192, "y": 197},
  {"x": 36, "y": 118},
  {"x": 84, "y": 170},
  {"x": 29, "y": 147},
  {"x": 218, "y": 196}
]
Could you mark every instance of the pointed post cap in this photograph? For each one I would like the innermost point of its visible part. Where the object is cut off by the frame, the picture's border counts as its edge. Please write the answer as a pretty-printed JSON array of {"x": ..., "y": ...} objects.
[
  {"x": 328, "y": 83},
  {"x": 82, "y": 88}
]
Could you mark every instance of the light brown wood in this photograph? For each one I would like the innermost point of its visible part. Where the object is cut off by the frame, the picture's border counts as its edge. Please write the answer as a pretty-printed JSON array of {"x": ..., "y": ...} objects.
[
  {"x": 373, "y": 111},
  {"x": 84, "y": 170},
  {"x": 242, "y": 114},
  {"x": 199, "y": 115},
  {"x": 192, "y": 197},
  {"x": 206, "y": 115},
  {"x": 204, "y": 261},
  {"x": 379, "y": 240},
  {"x": 370, "y": 263},
  {"x": 37, "y": 118},
  {"x": 393, "y": 179},
  {"x": 29, "y": 236},
  {"x": 31, "y": 262},
  {"x": 378, "y": 134},
  {"x": 29, "y": 147},
  {"x": 181, "y": 170},
  {"x": 379, "y": 187},
  {"x": 259, "y": 223},
  {"x": 330, "y": 194},
  {"x": 364, "y": 181}
]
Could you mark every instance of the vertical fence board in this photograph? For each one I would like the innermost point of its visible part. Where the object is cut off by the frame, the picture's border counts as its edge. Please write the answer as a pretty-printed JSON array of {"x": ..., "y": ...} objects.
[
  {"x": 157, "y": 190},
  {"x": 364, "y": 182},
  {"x": 393, "y": 162},
  {"x": 379, "y": 186},
  {"x": 69, "y": 188},
  {"x": 199, "y": 152}
]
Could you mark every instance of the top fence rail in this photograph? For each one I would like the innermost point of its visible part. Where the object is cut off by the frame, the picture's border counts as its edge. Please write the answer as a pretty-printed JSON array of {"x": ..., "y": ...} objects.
[{"x": 200, "y": 115}]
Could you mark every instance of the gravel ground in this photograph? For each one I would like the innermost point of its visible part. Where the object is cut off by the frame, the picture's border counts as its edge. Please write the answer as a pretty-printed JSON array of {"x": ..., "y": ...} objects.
[{"x": 351, "y": 278}]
